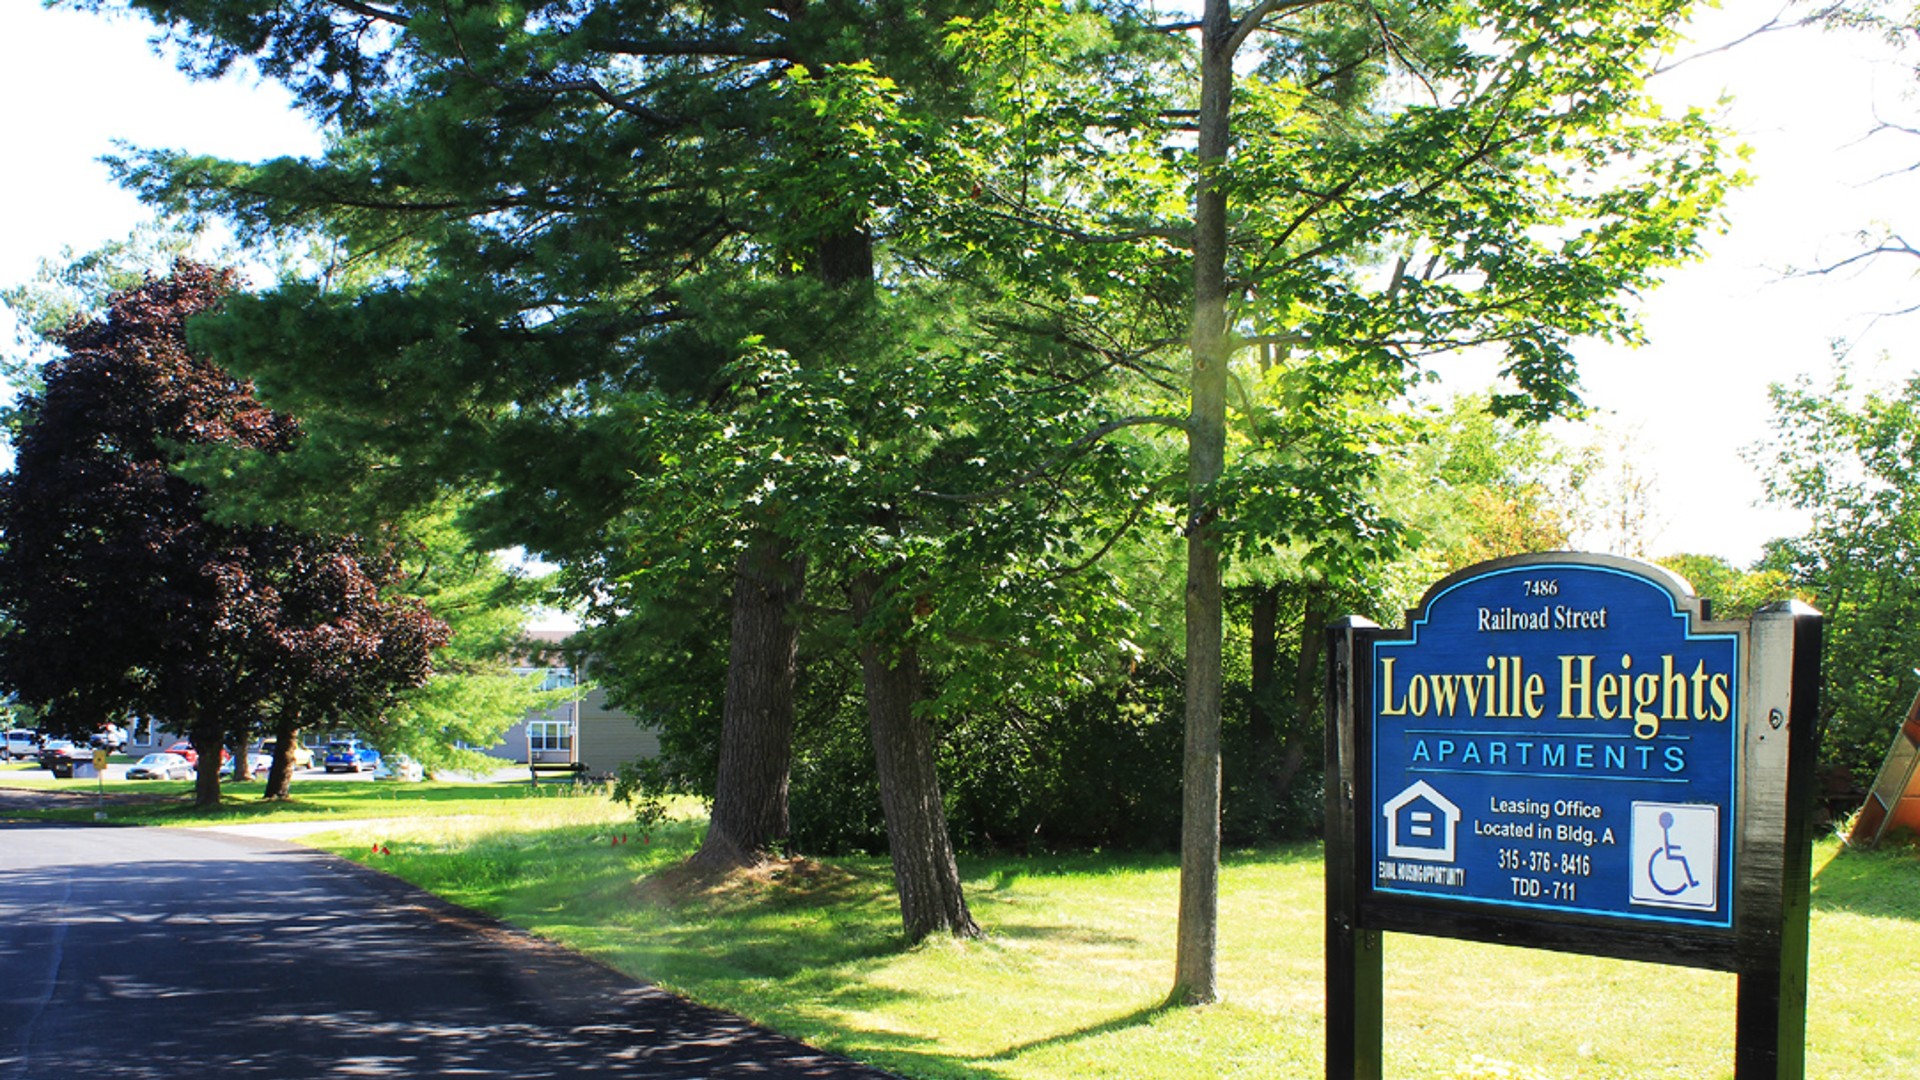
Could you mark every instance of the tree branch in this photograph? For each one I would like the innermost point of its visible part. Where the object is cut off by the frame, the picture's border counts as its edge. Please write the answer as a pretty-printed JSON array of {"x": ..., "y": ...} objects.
[
  {"x": 715, "y": 47},
  {"x": 371, "y": 12},
  {"x": 1251, "y": 20},
  {"x": 1072, "y": 448},
  {"x": 1139, "y": 507},
  {"x": 1776, "y": 23},
  {"x": 608, "y": 98},
  {"x": 1894, "y": 245},
  {"x": 1179, "y": 238}
]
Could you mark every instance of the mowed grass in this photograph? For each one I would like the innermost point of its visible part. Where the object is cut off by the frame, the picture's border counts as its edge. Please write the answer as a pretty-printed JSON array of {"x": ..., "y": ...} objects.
[
  {"x": 1070, "y": 978},
  {"x": 170, "y": 802}
]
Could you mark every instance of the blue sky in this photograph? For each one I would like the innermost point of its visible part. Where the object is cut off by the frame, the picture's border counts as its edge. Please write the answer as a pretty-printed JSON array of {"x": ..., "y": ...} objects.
[{"x": 1687, "y": 403}]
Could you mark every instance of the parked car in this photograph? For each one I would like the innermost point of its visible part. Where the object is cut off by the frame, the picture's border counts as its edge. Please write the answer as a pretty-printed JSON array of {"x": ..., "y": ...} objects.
[
  {"x": 20, "y": 743},
  {"x": 60, "y": 756},
  {"x": 111, "y": 736},
  {"x": 161, "y": 766},
  {"x": 257, "y": 764},
  {"x": 63, "y": 752},
  {"x": 351, "y": 755},
  {"x": 302, "y": 757},
  {"x": 185, "y": 749},
  {"x": 399, "y": 767}
]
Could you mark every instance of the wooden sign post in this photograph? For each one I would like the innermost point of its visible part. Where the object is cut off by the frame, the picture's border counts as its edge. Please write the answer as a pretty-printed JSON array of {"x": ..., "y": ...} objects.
[{"x": 1562, "y": 752}]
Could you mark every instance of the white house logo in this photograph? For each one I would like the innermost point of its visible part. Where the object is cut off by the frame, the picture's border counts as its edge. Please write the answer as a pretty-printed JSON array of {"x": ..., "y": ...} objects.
[{"x": 1421, "y": 824}]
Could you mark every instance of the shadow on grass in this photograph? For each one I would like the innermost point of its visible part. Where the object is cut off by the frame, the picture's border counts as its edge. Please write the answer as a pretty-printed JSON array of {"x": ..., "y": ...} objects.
[
  {"x": 798, "y": 946},
  {"x": 785, "y": 920},
  {"x": 1883, "y": 883},
  {"x": 1136, "y": 1018},
  {"x": 1069, "y": 935},
  {"x": 907, "y": 1054}
]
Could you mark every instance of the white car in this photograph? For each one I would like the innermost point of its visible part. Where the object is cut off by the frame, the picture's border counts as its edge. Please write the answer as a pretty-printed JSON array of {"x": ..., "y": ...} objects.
[
  {"x": 399, "y": 767},
  {"x": 302, "y": 757},
  {"x": 257, "y": 765},
  {"x": 20, "y": 743},
  {"x": 160, "y": 767}
]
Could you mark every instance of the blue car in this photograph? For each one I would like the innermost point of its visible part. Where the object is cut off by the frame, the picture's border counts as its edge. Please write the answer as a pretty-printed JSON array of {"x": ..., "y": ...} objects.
[{"x": 352, "y": 756}]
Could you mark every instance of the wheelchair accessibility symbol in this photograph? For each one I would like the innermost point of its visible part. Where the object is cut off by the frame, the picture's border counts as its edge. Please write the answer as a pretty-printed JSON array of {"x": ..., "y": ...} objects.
[{"x": 1675, "y": 855}]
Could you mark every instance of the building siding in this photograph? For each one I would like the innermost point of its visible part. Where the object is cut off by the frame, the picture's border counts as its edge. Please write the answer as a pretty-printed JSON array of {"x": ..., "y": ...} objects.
[{"x": 607, "y": 737}]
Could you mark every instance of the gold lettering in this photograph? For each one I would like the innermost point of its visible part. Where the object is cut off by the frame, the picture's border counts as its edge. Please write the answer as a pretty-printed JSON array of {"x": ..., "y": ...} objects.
[
  {"x": 1570, "y": 686},
  {"x": 1719, "y": 689},
  {"x": 1669, "y": 679},
  {"x": 1646, "y": 691},
  {"x": 1387, "y": 707}
]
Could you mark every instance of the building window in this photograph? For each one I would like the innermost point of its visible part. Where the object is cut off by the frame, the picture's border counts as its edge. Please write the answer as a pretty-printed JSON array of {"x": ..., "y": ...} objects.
[{"x": 550, "y": 736}]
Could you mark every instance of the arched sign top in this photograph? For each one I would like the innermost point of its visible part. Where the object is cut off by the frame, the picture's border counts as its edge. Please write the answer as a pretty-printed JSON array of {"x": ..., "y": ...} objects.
[{"x": 1678, "y": 589}]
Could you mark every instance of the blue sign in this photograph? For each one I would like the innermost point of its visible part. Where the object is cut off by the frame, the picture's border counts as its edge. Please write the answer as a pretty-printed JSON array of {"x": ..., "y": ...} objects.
[{"x": 1558, "y": 736}]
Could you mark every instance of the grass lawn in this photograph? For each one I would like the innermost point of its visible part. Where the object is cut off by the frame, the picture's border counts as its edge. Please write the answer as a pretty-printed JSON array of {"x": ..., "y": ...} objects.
[
  {"x": 1069, "y": 981},
  {"x": 168, "y": 802}
]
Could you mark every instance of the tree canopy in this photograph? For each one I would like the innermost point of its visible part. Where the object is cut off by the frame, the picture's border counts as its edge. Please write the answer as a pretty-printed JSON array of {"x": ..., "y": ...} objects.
[
  {"x": 1850, "y": 456},
  {"x": 121, "y": 592}
]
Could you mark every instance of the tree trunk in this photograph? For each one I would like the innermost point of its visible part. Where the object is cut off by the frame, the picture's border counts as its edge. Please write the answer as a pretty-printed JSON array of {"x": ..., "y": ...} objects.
[
  {"x": 756, "y": 734},
  {"x": 1276, "y": 753},
  {"x": 242, "y": 761},
  {"x": 925, "y": 874},
  {"x": 280, "y": 773},
  {"x": 1263, "y": 656},
  {"x": 1308, "y": 724},
  {"x": 1195, "y": 958},
  {"x": 206, "y": 769},
  {"x": 756, "y": 731}
]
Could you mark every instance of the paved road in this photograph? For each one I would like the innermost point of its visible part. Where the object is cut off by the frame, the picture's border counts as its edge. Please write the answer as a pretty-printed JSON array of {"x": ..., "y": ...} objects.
[{"x": 161, "y": 953}]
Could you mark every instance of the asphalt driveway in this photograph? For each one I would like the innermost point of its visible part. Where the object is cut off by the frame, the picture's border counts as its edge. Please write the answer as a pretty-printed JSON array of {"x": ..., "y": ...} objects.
[{"x": 151, "y": 953}]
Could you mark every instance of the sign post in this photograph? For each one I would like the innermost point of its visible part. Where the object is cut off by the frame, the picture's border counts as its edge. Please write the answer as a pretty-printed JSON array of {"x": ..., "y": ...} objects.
[
  {"x": 100, "y": 784},
  {"x": 1563, "y": 752}
]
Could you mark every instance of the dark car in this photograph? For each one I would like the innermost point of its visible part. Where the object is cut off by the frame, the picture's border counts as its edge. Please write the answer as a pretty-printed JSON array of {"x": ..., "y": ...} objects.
[
  {"x": 63, "y": 752},
  {"x": 351, "y": 755},
  {"x": 59, "y": 756}
]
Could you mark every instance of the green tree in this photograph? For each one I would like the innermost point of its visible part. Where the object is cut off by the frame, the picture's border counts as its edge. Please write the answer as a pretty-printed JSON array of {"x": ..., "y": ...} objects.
[
  {"x": 1734, "y": 593},
  {"x": 123, "y": 594},
  {"x": 1851, "y": 458},
  {"x": 1465, "y": 485},
  {"x": 1479, "y": 486},
  {"x": 1357, "y": 189},
  {"x": 472, "y": 695},
  {"x": 589, "y": 215}
]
